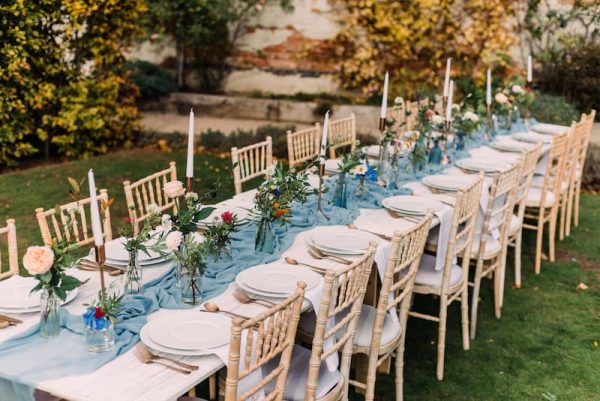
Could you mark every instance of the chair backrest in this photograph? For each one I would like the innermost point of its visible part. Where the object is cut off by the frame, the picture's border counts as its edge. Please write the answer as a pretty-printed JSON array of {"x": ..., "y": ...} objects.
[
  {"x": 143, "y": 193},
  {"x": 266, "y": 337},
  {"x": 464, "y": 220},
  {"x": 577, "y": 140},
  {"x": 10, "y": 231},
  {"x": 529, "y": 161},
  {"x": 251, "y": 161},
  {"x": 588, "y": 119},
  {"x": 500, "y": 205},
  {"x": 554, "y": 168},
  {"x": 72, "y": 221},
  {"x": 303, "y": 145},
  {"x": 403, "y": 261},
  {"x": 341, "y": 302},
  {"x": 340, "y": 133}
]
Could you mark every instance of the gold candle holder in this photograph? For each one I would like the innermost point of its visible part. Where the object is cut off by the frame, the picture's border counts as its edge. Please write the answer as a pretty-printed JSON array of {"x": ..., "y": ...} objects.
[
  {"x": 488, "y": 121},
  {"x": 527, "y": 88},
  {"x": 100, "y": 259},
  {"x": 320, "y": 193},
  {"x": 189, "y": 184},
  {"x": 381, "y": 124}
]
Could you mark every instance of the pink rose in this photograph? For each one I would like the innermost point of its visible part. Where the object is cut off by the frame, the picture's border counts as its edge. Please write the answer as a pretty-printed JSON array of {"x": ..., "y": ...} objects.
[
  {"x": 38, "y": 259},
  {"x": 173, "y": 240},
  {"x": 174, "y": 189}
]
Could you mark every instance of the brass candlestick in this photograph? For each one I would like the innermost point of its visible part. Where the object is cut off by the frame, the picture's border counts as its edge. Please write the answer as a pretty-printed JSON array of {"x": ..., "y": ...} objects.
[
  {"x": 488, "y": 121},
  {"x": 444, "y": 102},
  {"x": 189, "y": 184},
  {"x": 381, "y": 124},
  {"x": 100, "y": 259},
  {"x": 527, "y": 88},
  {"x": 320, "y": 194}
]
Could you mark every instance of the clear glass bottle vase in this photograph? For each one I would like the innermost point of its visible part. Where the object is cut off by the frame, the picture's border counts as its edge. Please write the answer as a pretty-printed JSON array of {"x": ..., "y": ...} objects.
[
  {"x": 133, "y": 274},
  {"x": 265, "y": 236},
  {"x": 49, "y": 314},
  {"x": 340, "y": 197},
  {"x": 100, "y": 340},
  {"x": 191, "y": 284}
]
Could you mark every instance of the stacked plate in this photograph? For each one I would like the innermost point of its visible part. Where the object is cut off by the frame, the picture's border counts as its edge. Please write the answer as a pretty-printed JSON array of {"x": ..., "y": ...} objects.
[
  {"x": 331, "y": 166},
  {"x": 550, "y": 129},
  {"x": 276, "y": 280},
  {"x": 117, "y": 255},
  {"x": 16, "y": 296},
  {"x": 510, "y": 145},
  {"x": 187, "y": 333},
  {"x": 243, "y": 215},
  {"x": 447, "y": 182},
  {"x": 412, "y": 205},
  {"x": 344, "y": 242},
  {"x": 532, "y": 137},
  {"x": 487, "y": 165}
]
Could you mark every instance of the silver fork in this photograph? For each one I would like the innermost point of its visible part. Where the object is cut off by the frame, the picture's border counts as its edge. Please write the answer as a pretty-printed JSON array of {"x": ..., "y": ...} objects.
[
  {"x": 146, "y": 352},
  {"x": 244, "y": 298},
  {"x": 318, "y": 255},
  {"x": 149, "y": 360}
]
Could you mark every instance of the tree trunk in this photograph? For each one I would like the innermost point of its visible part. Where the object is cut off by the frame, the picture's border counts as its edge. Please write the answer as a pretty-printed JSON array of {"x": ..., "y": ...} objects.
[{"x": 180, "y": 60}]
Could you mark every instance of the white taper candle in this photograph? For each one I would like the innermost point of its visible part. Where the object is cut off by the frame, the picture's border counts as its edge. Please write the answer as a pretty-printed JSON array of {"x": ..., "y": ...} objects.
[
  {"x": 324, "y": 137},
  {"x": 189, "y": 171},
  {"x": 447, "y": 77},
  {"x": 385, "y": 96},
  {"x": 94, "y": 211},
  {"x": 488, "y": 89},
  {"x": 529, "y": 69},
  {"x": 449, "y": 105}
]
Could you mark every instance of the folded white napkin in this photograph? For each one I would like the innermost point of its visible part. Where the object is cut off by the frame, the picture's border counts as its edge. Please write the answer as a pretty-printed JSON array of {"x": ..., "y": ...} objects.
[
  {"x": 445, "y": 217},
  {"x": 418, "y": 188},
  {"x": 490, "y": 153}
]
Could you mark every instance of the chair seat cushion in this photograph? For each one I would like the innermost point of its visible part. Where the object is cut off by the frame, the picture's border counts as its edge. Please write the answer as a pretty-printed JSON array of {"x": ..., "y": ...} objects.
[
  {"x": 428, "y": 276},
  {"x": 534, "y": 198},
  {"x": 514, "y": 225},
  {"x": 538, "y": 182},
  {"x": 492, "y": 247},
  {"x": 295, "y": 387},
  {"x": 364, "y": 331}
]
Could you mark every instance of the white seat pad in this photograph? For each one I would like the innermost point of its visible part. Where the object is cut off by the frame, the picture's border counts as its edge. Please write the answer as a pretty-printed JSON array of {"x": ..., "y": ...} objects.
[
  {"x": 295, "y": 387},
  {"x": 514, "y": 226},
  {"x": 492, "y": 247},
  {"x": 428, "y": 276},
  {"x": 538, "y": 182},
  {"x": 534, "y": 198}
]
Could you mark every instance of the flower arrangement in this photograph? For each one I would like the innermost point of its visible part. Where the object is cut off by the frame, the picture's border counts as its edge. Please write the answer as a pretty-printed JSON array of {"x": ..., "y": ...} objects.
[
  {"x": 502, "y": 104},
  {"x": 466, "y": 123},
  {"x": 274, "y": 196},
  {"x": 102, "y": 312},
  {"x": 365, "y": 172},
  {"x": 48, "y": 266},
  {"x": 189, "y": 212}
]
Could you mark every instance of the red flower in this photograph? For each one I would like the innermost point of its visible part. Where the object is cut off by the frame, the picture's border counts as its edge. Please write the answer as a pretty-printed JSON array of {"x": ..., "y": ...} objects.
[
  {"x": 429, "y": 114},
  {"x": 227, "y": 217},
  {"x": 99, "y": 312},
  {"x": 127, "y": 220}
]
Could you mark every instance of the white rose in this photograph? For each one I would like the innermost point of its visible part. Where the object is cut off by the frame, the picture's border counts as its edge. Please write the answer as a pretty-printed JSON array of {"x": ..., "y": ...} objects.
[
  {"x": 191, "y": 196},
  {"x": 517, "y": 89},
  {"x": 174, "y": 189},
  {"x": 469, "y": 115},
  {"x": 166, "y": 223},
  {"x": 38, "y": 259},
  {"x": 501, "y": 98},
  {"x": 173, "y": 240},
  {"x": 398, "y": 100},
  {"x": 153, "y": 208},
  {"x": 437, "y": 119},
  {"x": 455, "y": 106}
]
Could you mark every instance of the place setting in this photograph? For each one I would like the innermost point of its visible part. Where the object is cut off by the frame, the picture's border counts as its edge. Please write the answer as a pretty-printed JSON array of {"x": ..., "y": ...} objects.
[
  {"x": 507, "y": 144},
  {"x": 485, "y": 165},
  {"x": 16, "y": 297},
  {"x": 447, "y": 182},
  {"x": 532, "y": 137},
  {"x": 550, "y": 129}
]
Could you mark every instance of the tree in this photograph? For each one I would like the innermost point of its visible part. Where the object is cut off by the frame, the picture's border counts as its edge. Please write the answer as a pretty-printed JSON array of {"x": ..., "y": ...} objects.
[{"x": 412, "y": 39}]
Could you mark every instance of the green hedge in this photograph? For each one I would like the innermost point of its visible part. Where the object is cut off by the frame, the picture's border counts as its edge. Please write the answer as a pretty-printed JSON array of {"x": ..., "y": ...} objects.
[
  {"x": 152, "y": 80},
  {"x": 554, "y": 110}
]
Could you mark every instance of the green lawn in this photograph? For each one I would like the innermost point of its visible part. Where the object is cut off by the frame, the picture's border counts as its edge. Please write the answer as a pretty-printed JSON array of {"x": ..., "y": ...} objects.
[{"x": 544, "y": 347}]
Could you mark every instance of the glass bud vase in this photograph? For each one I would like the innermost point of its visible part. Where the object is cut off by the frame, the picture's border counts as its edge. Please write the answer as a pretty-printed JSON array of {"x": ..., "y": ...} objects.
[
  {"x": 49, "y": 314},
  {"x": 459, "y": 141},
  {"x": 100, "y": 340},
  {"x": 361, "y": 191},
  {"x": 133, "y": 274},
  {"x": 384, "y": 159},
  {"x": 191, "y": 285},
  {"x": 265, "y": 236},
  {"x": 516, "y": 114},
  {"x": 340, "y": 197},
  {"x": 435, "y": 155},
  {"x": 505, "y": 121}
]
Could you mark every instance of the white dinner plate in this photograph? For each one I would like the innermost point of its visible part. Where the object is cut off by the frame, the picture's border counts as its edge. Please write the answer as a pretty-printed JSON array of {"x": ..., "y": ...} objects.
[
  {"x": 16, "y": 295},
  {"x": 278, "y": 278},
  {"x": 532, "y": 137},
  {"x": 190, "y": 330},
  {"x": 243, "y": 215},
  {"x": 448, "y": 182},
  {"x": 550, "y": 129},
  {"x": 345, "y": 241},
  {"x": 487, "y": 165},
  {"x": 511, "y": 145},
  {"x": 146, "y": 340},
  {"x": 331, "y": 165},
  {"x": 413, "y": 205},
  {"x": 115, "y": 250}
]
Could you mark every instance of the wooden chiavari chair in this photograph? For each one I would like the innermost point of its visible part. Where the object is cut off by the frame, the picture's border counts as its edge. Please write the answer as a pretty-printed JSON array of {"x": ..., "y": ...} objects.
[
  {"x": 380, "y": 336},
  {"x": 303, "y": 145},
  {"x": 251, "y": 161},
  {"x": 72, "y": 221},
  {"x": 341, "y": 133},
  {"x": 487, "y": 251},
  {"x": 451, "y": 283},
  {"x": 143, "y": 193},
  {"x": 10, "y": 231},
  {"x": 575, "y": 190},
  {"x": 542, "y": 203},
  {"x": 267, "y": 339},
  {"x": 515, "y": 229}
]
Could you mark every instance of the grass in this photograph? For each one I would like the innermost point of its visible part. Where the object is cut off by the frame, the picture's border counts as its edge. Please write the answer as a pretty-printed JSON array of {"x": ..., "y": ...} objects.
[{"x": 545, "y": 346}]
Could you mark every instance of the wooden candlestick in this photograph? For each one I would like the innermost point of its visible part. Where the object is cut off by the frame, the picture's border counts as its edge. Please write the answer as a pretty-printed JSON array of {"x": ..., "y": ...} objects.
[
  {"x": 100, "y": 259},
  {"x": 320, "y": 194},
  {"x": 189, "y": 184}
]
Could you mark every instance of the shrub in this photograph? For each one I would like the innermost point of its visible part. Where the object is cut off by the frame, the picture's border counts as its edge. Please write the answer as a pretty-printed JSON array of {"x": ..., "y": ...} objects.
[
  {"x": 152, "y": 80},
  {"x": 553, "y": 109},
  {"x": 591, "y": 174}
]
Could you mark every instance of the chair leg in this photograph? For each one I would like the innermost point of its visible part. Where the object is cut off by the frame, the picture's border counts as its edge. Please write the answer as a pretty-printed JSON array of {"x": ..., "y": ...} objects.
[
  {"x": 400, "y": 368},
  {"x": 212, "y": 387},
  {"x": 563, "y": 215},
  {"x": 371, "y": 376},
  {"x": 552, "y": 234},
  {"x": 464, "y": 309},
  {"x": 576, "y": 206},
  {"x": 538, "y": 246},
  {"x": 475, "y": 298},
  {"x": 518, "y": 240},
  {"x": 442, "y": 336},
  {"x": 570, "y": 198},
  {"x": 498, "y": 290}
]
